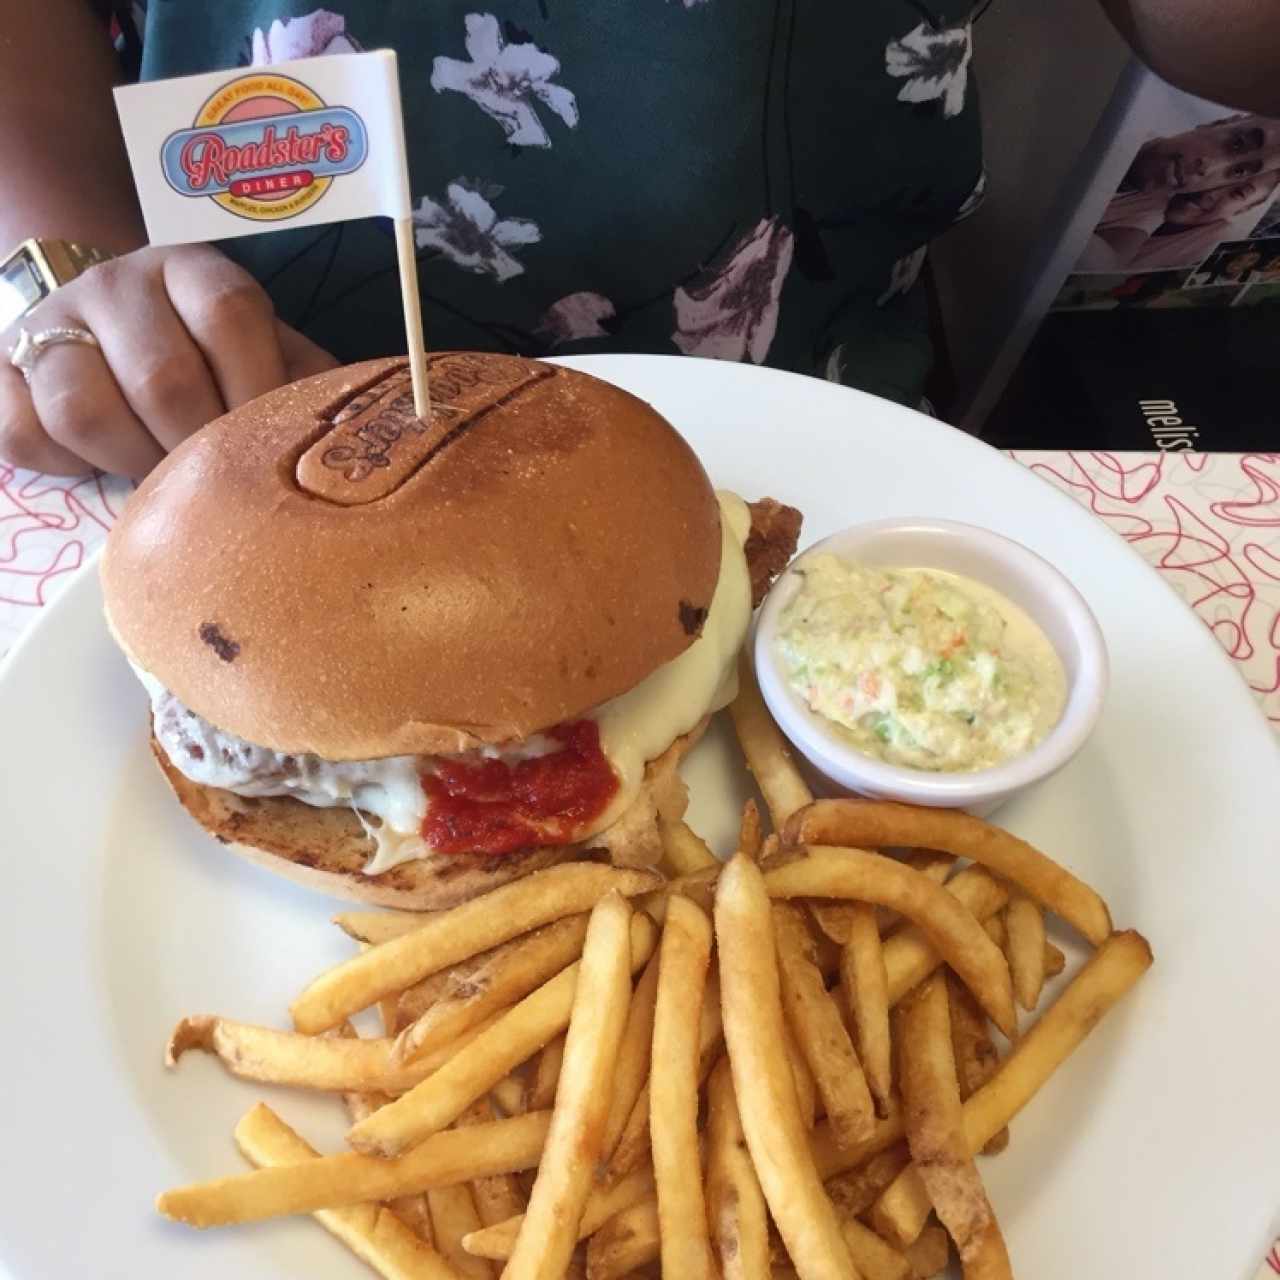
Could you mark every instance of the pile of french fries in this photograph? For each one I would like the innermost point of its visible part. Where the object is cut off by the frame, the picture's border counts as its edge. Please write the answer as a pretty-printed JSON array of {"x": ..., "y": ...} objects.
[{"x": 779, "y": 1066}]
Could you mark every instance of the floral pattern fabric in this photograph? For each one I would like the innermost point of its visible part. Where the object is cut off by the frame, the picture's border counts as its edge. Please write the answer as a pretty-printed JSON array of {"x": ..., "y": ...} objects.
[
  {"x": 576, "y": 316},
  {"x": 501, "y": 78},
  {"x": 731, "y": 311},
  {"x": 467, "y": 231},
  {"x": 311, "y": 36},
  {"x": 933, "y": 63},
  {"x": 904, "y": 274},
  {"x": 666, "y": 177}
]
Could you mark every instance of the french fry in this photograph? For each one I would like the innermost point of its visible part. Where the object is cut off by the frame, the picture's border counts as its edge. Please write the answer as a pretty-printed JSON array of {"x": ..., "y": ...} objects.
[
  {"x": 929, "y": 862},
  {"x": 685, "y": 851},
  {"x": 830, "y": 1159},
  {"x": 627, "y": 1241},
  {"x": 373, "y": 927},
  {"x": 306, "y": 1062},
  {"x": 975, "y": 1054},
  {"x": 373, "y": 1233},
  {"x": 877, "y": 823},
  {"x": 910, "y": 957},
  {"x": 418, "y": 997},
  {"x": 498, "y": 1240},
  {"x": 1054, "y": 960},
  {"x": 697, "y": 886},
  {"x": 633, "y": 1142},
  {"x": 632, "y": 1067},
  {"x": 936, "y": 1136},
  {"x": 507, "y": 974},
  {"x": 750, "y": 836},
  {"x": 541, "y": 1095},
  {"x": 828, "y": 872},
  {"x": 866, "y": 987},
  {"x": 387, "y": 1014},
  {"x": 1024, "y": 923},
  {"x": 411, "y": 1210},
  {"x": 767, "y": 752},
  {"x": 876, "y": 1259},
  {"x": 514, "y": 1036},
  {"x": 819, "y": 1030},
  {"x": 508, "y": 1093},
  {"x": 996, "y": 930},
  {"x": 684, "y": 955},
  {"x": 662, "y": 776},
  {"x": 415, "y": 1213},
  {"x": 358, "y": 1104},
  {"x": 333, "y": 1182},
  {"x": 453, "y": 1217},
  {"x": 801, "y": 1077},
  {"x": 932, "y": 863},
  {"x": 1105, "y": 977},
  {"x": 835, "y": 919},
  {"x": 497, "y": 1198},
  {"x": 856, "y": 1190},
  {"x": 751, "y": 1001},
  {"x": 930, "y": 1252},
  {"x": 549, "y": 1232},
  {"x": 736, "y": 1211},
  {"x": 452, "y": 936},
  {"x": 633, "y": 1145}
]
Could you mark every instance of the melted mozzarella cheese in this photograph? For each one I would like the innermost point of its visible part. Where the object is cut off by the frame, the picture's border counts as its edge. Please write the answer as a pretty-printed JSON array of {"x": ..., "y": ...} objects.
[
  {"x": 635, "y": 727},
  {"x": 642, "y": 723}
]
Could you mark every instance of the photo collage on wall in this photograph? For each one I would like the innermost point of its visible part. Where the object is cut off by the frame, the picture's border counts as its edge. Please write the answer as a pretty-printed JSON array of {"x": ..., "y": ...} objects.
[{"x": 1195, "y": 223}]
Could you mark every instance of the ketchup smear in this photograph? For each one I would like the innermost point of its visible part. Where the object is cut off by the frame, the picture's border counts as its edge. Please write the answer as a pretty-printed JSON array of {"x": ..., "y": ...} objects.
[{"x": 493, "y": 807}]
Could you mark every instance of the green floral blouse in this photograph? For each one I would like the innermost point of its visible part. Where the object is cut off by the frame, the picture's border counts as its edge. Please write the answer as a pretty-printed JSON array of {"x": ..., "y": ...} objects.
[{"x": 741, "y": 179}]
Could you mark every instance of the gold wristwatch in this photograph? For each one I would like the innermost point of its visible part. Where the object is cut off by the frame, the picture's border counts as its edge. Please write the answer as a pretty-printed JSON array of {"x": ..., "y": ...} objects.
[{"x": 35, "y": 269}]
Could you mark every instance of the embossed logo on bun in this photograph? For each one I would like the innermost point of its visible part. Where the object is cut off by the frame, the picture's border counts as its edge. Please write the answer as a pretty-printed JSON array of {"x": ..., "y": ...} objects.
[{"x": 265, "y": 147}]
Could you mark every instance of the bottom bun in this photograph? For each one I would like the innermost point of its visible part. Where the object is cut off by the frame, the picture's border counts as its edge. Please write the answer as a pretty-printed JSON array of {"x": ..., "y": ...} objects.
[{"x": 326, "y": 849}]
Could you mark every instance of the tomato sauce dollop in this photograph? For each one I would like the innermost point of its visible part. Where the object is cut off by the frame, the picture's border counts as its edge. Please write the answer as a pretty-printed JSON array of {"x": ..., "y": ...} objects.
[{"x": 493, "y": 807}]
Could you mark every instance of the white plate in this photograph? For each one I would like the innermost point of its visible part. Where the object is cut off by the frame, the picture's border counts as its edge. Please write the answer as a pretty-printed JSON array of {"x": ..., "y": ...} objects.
[{"x": 1153, "y": 1152}]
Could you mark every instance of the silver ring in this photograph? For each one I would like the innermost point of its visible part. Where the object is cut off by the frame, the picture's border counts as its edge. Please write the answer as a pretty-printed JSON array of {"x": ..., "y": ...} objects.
[{"x": 31, "y": 346}]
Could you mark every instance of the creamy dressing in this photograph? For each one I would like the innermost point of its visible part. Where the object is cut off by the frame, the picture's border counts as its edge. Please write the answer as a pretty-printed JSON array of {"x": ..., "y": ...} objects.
[
  {"x": 919, "y": 667},
  {"x": 634, "y": 728}
]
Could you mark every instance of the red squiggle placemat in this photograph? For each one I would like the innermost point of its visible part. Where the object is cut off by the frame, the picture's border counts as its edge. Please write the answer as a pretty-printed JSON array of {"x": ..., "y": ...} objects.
[
  {"x": 1210, "y": 523},
  {"x": 49, "y": 525}
]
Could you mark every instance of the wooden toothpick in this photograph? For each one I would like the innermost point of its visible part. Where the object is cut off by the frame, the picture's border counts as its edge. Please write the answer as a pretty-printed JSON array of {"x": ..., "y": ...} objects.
[{"x": 406, "y": 256}]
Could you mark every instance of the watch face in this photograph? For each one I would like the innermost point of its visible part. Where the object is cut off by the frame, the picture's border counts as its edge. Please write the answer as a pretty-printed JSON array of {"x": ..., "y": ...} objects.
[{"x": 20, "y": 288}]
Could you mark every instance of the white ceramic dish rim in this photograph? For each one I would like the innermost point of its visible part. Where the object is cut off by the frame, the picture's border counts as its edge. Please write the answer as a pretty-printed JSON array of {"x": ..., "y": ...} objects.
[
  {"x": 1045, "y": 591},
  {"x": 1167, "y": 811}
]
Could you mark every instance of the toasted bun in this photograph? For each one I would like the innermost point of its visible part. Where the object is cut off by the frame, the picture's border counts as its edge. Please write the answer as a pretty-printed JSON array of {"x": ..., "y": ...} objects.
[
  {"x": 326, "y": 849},
  {"x": 319, "y": 572}
]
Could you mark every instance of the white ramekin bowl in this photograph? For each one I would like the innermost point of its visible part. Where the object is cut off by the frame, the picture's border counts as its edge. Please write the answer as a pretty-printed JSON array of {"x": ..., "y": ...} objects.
[{"x": 1014, "y": 571}]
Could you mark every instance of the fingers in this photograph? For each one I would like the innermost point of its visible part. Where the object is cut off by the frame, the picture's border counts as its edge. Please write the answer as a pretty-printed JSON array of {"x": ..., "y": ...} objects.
[
  {"x": 230, "y": 318},
  {"x": 83, "y": 410},
  {"x": 158, "y": 368},
  {"x": 184, "y": 335},
  {"x": 302, "y": 357},
  {"x": 23, "y": 441}
]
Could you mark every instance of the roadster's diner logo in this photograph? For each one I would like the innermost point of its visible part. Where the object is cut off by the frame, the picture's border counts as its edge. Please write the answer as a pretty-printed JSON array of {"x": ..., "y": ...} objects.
[{"x": 265, "y": 147}]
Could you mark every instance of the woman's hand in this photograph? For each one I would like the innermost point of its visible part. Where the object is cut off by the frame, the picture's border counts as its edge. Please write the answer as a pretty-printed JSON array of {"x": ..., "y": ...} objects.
[{"x": 184, "y": 335}]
